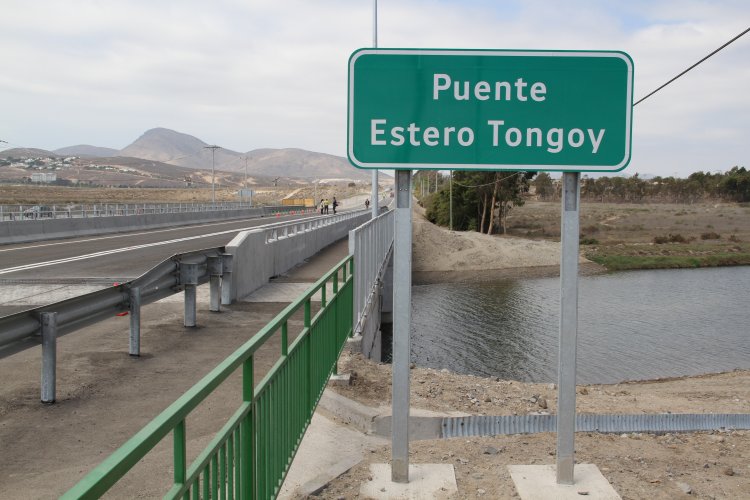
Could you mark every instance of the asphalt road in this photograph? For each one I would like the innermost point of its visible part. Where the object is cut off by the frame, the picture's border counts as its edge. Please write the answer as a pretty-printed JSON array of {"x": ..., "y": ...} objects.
[
  {"x": 34, "y": 274},
  {"x": 117, "y": 257}
]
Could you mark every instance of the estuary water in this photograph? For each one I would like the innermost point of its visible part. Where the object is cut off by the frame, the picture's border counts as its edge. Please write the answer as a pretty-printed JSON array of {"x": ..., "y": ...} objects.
[{"x": 633, "y": 325}]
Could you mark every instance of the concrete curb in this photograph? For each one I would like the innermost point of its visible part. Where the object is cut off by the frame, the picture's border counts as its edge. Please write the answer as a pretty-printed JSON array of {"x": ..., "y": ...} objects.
[{"x": 423, "y": 424}]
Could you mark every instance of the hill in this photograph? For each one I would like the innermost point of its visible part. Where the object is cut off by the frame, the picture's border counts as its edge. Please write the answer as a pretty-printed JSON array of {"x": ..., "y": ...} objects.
[
  {"x": 160, "y": 148},
  {"x": 26, "y": 153},
  {"x": 86, "y": 151},
  {"x": 167, "y": 145},
  {"x": 301, "y": 163},
  {"x": 176, "y": 148}
]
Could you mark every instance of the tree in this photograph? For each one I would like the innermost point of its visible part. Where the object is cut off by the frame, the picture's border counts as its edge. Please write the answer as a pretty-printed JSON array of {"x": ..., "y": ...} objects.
[
  {"x": 481, "y": 200},
  {"x": 544, "y": 186}
]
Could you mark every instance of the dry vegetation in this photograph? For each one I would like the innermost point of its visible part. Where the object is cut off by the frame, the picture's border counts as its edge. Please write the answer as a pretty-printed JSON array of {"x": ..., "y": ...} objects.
[{"x": 625, "y": 236}]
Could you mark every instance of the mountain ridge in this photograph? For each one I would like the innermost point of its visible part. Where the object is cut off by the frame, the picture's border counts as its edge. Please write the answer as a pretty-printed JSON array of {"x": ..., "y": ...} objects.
[{"x": 184, "y": 150}]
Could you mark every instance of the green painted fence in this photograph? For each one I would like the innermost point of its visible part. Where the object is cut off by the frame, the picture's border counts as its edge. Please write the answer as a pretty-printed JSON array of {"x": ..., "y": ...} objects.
[{"x": 250, "y": 456}]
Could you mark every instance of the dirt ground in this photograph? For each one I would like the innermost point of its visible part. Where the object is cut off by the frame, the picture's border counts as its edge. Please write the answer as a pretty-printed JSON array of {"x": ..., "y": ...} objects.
[{"x": 708, "y": 465}]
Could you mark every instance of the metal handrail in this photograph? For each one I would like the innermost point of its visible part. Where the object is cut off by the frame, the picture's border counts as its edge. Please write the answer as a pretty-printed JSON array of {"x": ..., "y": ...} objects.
[
  {"x": 370, "y": 245},
  {"x": 250, "y": 456},
  {"x": 74, "y": 211}
]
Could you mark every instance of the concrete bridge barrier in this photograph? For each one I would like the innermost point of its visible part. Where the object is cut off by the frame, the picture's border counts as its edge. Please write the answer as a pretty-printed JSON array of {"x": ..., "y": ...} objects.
[{"x": 260, "y": 254}]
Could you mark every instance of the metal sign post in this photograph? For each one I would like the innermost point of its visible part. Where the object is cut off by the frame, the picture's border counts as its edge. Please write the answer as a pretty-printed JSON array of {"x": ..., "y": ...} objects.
[
  {"x": 566, "y": 379},
  {"x": 401, "y": 329}
]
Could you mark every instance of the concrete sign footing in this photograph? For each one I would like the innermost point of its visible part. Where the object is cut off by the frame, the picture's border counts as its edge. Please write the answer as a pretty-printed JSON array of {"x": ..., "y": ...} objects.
[
  {"x": 539, "y": 482},
  {"x": 426, "y": 481}
]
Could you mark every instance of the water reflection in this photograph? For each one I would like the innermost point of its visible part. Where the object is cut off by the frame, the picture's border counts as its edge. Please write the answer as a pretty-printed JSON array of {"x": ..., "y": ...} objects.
[{"x": 634, "y": 325}]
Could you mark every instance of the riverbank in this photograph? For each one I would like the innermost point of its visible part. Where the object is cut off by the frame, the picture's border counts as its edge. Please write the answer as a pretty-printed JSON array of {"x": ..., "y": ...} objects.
[
  {"x": 614, "y": 236},
  {"x": 711, "y": 465},
  {"x": 708, "y": 465}
]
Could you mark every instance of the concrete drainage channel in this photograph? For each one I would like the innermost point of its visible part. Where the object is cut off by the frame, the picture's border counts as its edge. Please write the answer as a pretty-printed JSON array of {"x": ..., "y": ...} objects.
[{"x": 430, "y": 425}]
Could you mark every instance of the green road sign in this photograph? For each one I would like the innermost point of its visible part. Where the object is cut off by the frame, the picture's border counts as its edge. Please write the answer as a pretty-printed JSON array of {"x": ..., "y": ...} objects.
[{"x": 430, "y": 109}]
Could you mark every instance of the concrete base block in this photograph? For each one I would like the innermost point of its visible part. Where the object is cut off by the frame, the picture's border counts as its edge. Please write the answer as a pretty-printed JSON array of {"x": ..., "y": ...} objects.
[
  {"x": 539, "y": 482},
  {"x": 354, "y": 344},
  {"x": 341, "y": 379},
  {"x": 426, "y": 481}
]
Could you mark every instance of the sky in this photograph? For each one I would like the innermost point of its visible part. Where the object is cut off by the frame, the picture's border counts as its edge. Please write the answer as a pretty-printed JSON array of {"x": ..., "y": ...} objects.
[{"x": 248, "y": 74}]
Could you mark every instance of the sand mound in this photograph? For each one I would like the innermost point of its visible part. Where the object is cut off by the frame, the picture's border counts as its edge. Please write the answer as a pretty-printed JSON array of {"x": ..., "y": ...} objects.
[{"x": 438, "y": 249}]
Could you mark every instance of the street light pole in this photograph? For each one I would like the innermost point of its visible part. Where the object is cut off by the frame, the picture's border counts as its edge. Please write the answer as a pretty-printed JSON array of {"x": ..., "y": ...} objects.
[
  {"x": 213, "y": 176},
  {"x": 374, "y": 205}
]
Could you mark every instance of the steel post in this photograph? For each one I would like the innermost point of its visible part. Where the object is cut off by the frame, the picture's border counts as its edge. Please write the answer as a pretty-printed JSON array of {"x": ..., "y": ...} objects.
[
  {"x": 190, "y": 305},
  {"x": 49, "y": 356},
  {"x": 401, "y": 329},
  {"x": 215, "y": 271},
  {"x": 135, "y": 322},
  {"x": 566, "y": 386},
  {"x": 226, "y": 279}
]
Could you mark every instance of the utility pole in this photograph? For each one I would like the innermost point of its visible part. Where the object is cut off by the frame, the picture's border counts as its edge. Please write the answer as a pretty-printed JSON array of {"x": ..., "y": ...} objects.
[
  {"x": 374, "y": 203},
  {"x": 450, "y": 202},
  {"x": 213, "y": 176}
]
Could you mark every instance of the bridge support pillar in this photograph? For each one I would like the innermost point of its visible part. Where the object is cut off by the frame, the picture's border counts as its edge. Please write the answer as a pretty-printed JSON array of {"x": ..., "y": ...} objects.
[{"x": 49, "y": 356}]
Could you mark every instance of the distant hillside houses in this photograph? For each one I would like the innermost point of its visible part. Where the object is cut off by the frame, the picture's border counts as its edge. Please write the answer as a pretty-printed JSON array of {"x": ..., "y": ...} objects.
[{"x": 43, "y": 177}]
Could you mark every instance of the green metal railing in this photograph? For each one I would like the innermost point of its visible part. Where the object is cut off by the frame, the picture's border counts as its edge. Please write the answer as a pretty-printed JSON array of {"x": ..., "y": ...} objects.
[{"x": 250, "y": 456}]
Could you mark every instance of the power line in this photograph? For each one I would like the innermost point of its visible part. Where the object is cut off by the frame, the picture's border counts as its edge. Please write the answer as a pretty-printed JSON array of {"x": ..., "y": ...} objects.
[
  {"x": 693, "y": 66},
  {"x": 489, "y": 183}
]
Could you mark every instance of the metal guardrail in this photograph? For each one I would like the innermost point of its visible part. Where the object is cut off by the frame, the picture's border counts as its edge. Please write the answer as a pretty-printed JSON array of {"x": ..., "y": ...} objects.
[
  {"x": 370, "y": 245},
  {"x": 42, "y": 325},
  {"x": 180, "y": 272},
  {"x": 40, "y": 211},
  {"x": 250, "y": 456},
  {"x": 484, "y": 425}
]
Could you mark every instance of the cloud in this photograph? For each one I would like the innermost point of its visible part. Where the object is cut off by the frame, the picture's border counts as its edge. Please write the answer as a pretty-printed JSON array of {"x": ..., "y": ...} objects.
[{"x": 273, "y": 74}]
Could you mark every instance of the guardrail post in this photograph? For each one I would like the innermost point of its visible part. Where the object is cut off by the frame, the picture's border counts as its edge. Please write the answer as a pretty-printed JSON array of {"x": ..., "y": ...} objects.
[
  {"x": 189, "y": 279},
  {"x": 135, "y": 322},
  {"x": 214, "y": 271},
  {"x": 226, "y": 278},
  {"x": 49, "y": 356},
  {"x": 190, "y": 306}
]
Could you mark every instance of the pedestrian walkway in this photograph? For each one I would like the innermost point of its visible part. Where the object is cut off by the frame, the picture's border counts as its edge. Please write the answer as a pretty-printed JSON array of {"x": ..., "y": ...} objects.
[{"x": 106, "y": 396}]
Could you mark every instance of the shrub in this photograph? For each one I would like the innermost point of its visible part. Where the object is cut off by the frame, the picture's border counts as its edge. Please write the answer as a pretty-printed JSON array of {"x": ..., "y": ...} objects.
[
  {"x": 588, "y": 241},
  {"x": 671, "y": 238},
  {"x": 734, "y": 239},
  {"x": 592, "y": 229},
  {"x": 710, "y": 236}
]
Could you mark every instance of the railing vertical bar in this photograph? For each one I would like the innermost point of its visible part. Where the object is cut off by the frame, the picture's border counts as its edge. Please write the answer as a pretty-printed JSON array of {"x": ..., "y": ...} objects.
[
  {"x": 223, "y": 471},
  {"x": 179, "y": 453},
  {"x": 214, "y": 468},
  {"x": 206, "y": 481},
  {"x": 238, "y": 464},
  {"x": 230, "y": 465},
  {"x": 247, "y": 454}
]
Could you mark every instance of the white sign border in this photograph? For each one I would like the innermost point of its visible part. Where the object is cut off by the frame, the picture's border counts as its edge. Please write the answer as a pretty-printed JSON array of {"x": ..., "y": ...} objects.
[{"x": 490, "y": 52}]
